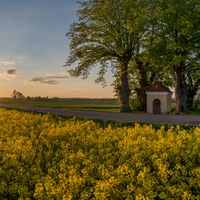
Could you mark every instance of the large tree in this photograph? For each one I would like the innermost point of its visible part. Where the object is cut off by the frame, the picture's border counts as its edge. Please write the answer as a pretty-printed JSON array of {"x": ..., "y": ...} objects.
[
  {"x": 107, "y": 35},
  {"x": 178, "y": 36},
  {"x": 144, "y": 71}
]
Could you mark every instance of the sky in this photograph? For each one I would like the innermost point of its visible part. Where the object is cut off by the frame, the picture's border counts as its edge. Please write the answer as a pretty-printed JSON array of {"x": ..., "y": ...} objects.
[{"x": 34, "y": 48}]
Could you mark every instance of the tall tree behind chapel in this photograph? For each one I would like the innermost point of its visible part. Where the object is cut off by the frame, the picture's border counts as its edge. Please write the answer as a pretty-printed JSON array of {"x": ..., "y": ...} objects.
[{"x": 108, "y": 35}]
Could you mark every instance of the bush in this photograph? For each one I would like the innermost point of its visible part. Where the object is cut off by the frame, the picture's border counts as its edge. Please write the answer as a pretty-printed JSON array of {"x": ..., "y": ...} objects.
[{"x": 196, "y": 105}]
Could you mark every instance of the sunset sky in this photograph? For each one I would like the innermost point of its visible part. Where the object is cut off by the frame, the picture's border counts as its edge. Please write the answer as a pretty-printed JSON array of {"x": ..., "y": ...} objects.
[{"x": 34, "y": 48}]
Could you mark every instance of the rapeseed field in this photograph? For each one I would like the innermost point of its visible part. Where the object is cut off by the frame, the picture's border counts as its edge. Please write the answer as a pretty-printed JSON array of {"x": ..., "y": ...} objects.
[{"x": 48, "y": 157}]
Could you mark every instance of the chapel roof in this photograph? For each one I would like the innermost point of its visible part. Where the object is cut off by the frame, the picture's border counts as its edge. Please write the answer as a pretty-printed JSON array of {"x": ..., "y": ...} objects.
[{"x": 157, "y": 87}]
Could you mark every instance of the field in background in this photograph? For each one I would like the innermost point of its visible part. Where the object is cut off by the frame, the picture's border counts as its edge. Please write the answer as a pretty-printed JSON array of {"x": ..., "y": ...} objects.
[
  {"x": 92, "y": 104},
  {"x": 103, "y": 105}
]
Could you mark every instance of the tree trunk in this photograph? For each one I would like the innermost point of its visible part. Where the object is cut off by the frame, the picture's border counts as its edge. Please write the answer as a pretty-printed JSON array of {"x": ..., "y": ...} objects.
[
  {"x": 181, "y": 90},
  {"x": 145, "y": 82},
  {"x": 141, "y": 90},
  {"x": 124, "y": 91}
]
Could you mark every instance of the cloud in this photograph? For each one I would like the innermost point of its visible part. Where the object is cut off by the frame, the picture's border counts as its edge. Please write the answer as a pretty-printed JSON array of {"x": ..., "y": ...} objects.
[
  {"x": 6, "y": 62},
  {"x": 8, "y": 74},
  {"x": 46, "y": 80},
  {"x": 50, "y": 79},
  {"x": 11, "y": 72},
  {"x": 59, "y": 74}
]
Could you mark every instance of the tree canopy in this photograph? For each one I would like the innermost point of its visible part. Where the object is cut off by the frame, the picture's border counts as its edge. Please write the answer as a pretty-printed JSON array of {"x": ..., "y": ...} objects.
[
  {"x": 105, "y": 35},
  {"x": 178, "y": 36},
  {"x": 139, "y": 41}
]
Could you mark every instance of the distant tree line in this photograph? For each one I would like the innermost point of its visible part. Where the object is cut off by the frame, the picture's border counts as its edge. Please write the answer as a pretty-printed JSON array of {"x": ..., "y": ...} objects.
[{"x": 18, "y": 95}]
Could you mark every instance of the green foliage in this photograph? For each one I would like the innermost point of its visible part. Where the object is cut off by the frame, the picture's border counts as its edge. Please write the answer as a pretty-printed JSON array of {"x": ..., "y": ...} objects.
[
  {"x": 110, "y": 35},
  {"x": 177, "y": 46},
  {"x": 196, "y": 105},
  {"x": 141, "y": 41},
  {"x": 135, "y": 103},
  {"x": 99, "y": 37},
  {"x": 47, "y": 157}
]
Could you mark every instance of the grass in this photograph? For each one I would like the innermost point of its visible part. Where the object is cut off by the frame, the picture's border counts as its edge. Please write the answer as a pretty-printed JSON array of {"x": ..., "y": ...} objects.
[{"x": 102, "y": 105}]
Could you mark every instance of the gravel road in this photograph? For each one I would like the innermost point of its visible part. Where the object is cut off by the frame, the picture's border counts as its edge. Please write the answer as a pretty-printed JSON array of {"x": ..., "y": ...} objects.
[{"x": 125, "y": 117}]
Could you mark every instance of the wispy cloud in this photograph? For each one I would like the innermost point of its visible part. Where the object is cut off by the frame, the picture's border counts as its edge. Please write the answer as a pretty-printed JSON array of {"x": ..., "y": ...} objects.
[
  {"x": 46, "y": 80},
  {"x": 8, "y": 74},
  {"x": 50, "y": 78},
  {"x": 6, "y": 62}
]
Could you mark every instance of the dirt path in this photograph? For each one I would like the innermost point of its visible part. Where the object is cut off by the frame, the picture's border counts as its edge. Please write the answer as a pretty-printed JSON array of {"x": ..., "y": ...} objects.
[{"x": 125, "y": 117}]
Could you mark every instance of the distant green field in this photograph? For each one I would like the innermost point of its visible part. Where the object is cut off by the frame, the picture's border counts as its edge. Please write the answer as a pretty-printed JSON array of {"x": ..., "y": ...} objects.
[{"x": 103, "y": 105}]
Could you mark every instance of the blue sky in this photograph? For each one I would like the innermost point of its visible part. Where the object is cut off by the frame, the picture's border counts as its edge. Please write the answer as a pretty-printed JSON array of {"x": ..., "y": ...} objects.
[{"x": 34, "y": 48}]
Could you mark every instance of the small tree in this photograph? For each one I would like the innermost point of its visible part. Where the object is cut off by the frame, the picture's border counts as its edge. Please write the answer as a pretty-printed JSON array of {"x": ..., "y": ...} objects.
[{"x": 17, "y": 95}]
